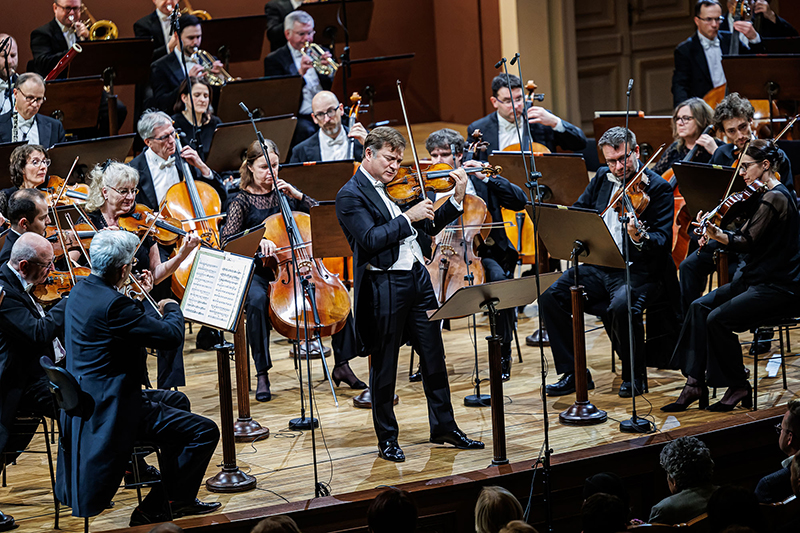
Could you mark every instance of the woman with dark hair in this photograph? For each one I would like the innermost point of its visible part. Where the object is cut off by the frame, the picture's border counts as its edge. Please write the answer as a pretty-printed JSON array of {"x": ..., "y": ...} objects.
[
  {"x": 689, "y": 120},
  {"x": 204, "y": 116},
  {"x": 689, "y": 467},
  {"x": 28, "y": 169},
  {"x": 495, "y": 508},
  {"x": 766, "y": 288},
  {"x": 258, "y": 200}
]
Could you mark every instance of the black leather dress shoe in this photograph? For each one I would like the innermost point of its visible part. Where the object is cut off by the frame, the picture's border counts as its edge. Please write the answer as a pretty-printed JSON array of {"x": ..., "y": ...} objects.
[
  {"x": 147, "y": 475},
  {"x": 140, "y": 518},
  {"x": 180, "y": 509},
  {"x": 566, "y": 385},
  {"x": 7, "y": 522},
  {"x": 391, "y": 451},
  {"x": 416, "y": 376},
  {"x": 533, "y": 338},
  {"x": 625, "y": 388},
  {"x": 458, "y": 439}
]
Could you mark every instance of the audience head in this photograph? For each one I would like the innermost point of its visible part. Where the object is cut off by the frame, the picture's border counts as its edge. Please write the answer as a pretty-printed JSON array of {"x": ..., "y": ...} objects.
[
  {"x": 28, "y": 166},
  {"x": 166, "y": 527},
  {"x": 604, "y": 513},
  {"x": 114, "y": 185},
  {"x": 495, "y": 508},
  {"x": 111, "y": 254},
  {"x": 789, "y": 429},
  {"x": 276, "y": 524},
  {"x": 687, "y": 462},
  {"x": 383, "y": 152},
  {"x": 156, "y": 130},
  {"x": 440, "y": 145},
  {"x": 392, "y": 511},
  {"x": 607, "y": 483},
  {"x": 32, "y": 257},
  {"x": 254, "y": 168},
  {"x": 28, "y": 212},
  {"x": 731, "y": 505},
  {"x": 200, "y": 94},
  {"x": 690, "y": 118},
  {"x": 327, "y": 112},
  {"x": 612, "y": 144},
  {"x": 518, "y": 526},
  {"x": 13, "y": 56},
  {"x": 733, "y": 116},
  {"x": 29, "y": 94},
  {"x": 707, "y": 15},
  {"x": 504, "y": 99},
  {"x": 298, "y": 27}
]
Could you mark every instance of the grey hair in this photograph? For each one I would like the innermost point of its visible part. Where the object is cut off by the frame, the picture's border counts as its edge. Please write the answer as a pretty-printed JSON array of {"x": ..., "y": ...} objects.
[
  {"x": 150, "y": 120},
  {"x": 115, "y": 175},
  {"x": 29, "y": 76},
  {"x": 687, "y": 461},
  {"x": 25, "y": 249},
  {"x": 111, "y": 249},
  {"x": 615, "y": 137},
  {"x": 297, "y": 16}
]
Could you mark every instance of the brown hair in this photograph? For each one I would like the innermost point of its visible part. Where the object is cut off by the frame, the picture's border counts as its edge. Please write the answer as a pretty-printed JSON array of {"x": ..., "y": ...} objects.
[
  {"x": 186, "y": 89},
  {"x": 250, "y": 157},
  {"x": 276, "y": 524},
  {"x": 495, "y": 508},
  {"x": 18, "y": 160},
  {"x": 382, "y": 136},
  {"x": 518, "y": 526},
  {"x": 701, "y": 111},
  {"x": 733, "y": 106}
]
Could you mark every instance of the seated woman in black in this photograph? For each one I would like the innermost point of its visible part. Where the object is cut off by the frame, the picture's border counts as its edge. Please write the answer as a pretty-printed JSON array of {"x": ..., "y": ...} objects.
[
  {"x": 248, "y": 209},
  {"x": 689, "y": 120},
  {"x": 766, "y": 288},
  {"x": 204, "y": 116}
]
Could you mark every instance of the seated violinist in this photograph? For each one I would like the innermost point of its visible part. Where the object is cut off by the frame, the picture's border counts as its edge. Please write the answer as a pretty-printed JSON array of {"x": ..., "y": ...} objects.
[
  {"x": 765, "y": 289},
  {"x": 9, "y": 58},
  {"x": 27, "y": 213},
  {"x": 248, "y": 209},
  {"x": 606, "y": 294},
  {"x": 204, "y": 119},
  {"x": 498, "y": 256},
  {"x": 332, "y": 141},
  {"x": 25, "y": 123},
  {"x": 689, "y": 120},
  {"x": 28, "y": 168},
  {"x": 499, "y": 129}
]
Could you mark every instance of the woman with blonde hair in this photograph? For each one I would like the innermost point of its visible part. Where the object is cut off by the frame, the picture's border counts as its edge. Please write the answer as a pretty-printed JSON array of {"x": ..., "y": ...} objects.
[{"x": 495, "y": 508}]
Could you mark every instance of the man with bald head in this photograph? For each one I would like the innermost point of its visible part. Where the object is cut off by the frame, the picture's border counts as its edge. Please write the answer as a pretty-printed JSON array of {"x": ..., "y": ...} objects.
[
  {"x": 9, "y": 58},
  {"x": 332, "y": 141},
  {"x": 24, "y": 123}
]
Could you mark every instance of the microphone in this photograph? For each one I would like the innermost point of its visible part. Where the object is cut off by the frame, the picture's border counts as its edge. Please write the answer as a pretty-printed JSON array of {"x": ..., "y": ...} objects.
[
  {"x": 244, "y": 108},
  {"x": 514, "y": 59},
  {"x": 630, "y": 86},
  {"x": 500, "y": 63}
]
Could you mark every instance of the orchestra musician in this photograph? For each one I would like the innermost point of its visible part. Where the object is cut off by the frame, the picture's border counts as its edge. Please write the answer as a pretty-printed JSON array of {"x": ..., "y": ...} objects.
[
  {"x": 497, "y": 254},
  {"x": 105, "y": 332},
  {"x": 28, "y": 170},
  {"x": 25, "y": 123},
  {"x": 204, "y": 117},
  {"x": 9, "y": 62},
  {"x": 298, "y": 28},
  {"x": 392, "y": 289},
  {"x": 605, "y": 288},
  {"x": 157, "y": 26},
  {"x": 28, "y": 213},
  {"x": 771, "y": 25},
  {"x": 765, "y": 288},
  {"x": 332, "y": 140},
  {"x": 546, "y": 128},
  {"x": 276, "y": 11},
  {"x": 689, "y": 120},
  {"x": 257, "y": 201}
]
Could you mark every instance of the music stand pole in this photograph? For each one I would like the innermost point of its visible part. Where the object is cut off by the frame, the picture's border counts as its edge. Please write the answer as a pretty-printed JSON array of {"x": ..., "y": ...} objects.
[{"x": 245, "y": 429}]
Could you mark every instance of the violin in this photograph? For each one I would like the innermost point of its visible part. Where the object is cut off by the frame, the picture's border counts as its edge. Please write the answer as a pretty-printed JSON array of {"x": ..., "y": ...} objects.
[
  {"x": 85, "y": 233},
  {"x": 733, "y": 207},
  {"x": 414, "y": 182},
  {"x": 60, "y": 193},
  {"x": 57, "y": 284},
  {"x": 166, "y": 230},
  {"x": 530, "y": 98}
]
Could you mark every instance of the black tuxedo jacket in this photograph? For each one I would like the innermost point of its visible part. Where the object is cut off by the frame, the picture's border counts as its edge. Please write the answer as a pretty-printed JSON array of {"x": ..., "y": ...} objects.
[
  {"x": 498, "y": 192},
  {"x": 166, "y": 76},
  {"x": 150, "y": 26},
  {"x": 8, "y": 244},
  {"x": 276, "y": 11},
  {"x": 309, "y": 150},
  {"x": 374, "y": 236},
  {"x": 724, "y": 155},
  {"x": 47, "y": 46},
  {"x": 571, "y": 139},
  {"x": 281, "y": 63},
  {"x": 25, "y": 336},
  {"x": 51, "y": 131}
]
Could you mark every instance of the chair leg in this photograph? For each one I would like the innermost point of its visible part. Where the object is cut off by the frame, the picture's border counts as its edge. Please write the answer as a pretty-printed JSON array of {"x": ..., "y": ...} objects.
[
  {"x": 516, "y": 340},
  {"x": 168, "y": 505},
  {"x": 136, "y": 475},
  {"x": 56, "y": 504},
  {"x": 613, "y": 361},
  {"x": 755, "y": 373},
  {"x": 86, "y": 525}
]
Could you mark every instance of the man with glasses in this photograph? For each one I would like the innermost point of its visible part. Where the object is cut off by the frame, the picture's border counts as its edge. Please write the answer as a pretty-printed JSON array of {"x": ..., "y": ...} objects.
[
  {"x": 698, "y": 59},
  {"x": 651, "y": 268},
  {"x": 9, "y": 59},
  {"x": 27, "y": 213},
  {"x": 332, "y": 141},
  {"x": 777, "y": 486},
  {"x": 24, "y": 123},
  {"x": 289, "y": 60},
  {"x": 499, "y": 129}
]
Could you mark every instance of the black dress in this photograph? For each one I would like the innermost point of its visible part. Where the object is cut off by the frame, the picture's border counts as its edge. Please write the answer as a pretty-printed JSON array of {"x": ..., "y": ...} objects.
[
  {"x": 676, "y": 153},
  {"x": 205, "y": 133}
]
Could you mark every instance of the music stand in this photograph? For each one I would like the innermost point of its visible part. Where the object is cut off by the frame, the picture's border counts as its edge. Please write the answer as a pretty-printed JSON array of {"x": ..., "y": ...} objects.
[
  {"x": 491, "y": 297},
  {"x": 74, "y": 101},
  {"x": 328, "y": 14},
  {"x": 5, "y": 157},
  {"x": 582, "y": 234},
  {"x": 651, "y": 131},
  {"x": 266, "y": 97},
  {"x": 231, "y": 140},
  {"x": 91, "y": 152},
  {"x": 703, "y": 186},
  {"x": 375, "y": 79},
  {"x": 564, "y": 176},
  {"x": 781, "y": 45},
  {"x": 792, "y": 151},
  {"x": 129, "y": 59},
  {"x": 319, "y": 180},
  {"x": 235, "y": 39}
]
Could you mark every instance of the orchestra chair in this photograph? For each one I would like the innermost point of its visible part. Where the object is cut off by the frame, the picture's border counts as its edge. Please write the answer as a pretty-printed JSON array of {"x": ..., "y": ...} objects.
[
  {"x": 695, "y": 525},
  {"x": 764, "y": 333},
  {"x": 779, "y": 513}
]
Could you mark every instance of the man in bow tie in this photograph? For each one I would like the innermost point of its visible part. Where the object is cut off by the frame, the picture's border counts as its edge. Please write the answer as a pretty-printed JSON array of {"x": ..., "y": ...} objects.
[
  {"x": 8, "y": 65},
  {"x": 332, "y": 141},
  {"x": 24, "y": 123}
]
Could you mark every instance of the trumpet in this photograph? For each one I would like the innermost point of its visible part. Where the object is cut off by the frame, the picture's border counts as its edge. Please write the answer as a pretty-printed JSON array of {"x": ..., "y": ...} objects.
[
  {"x": 199, "y": 13},
  {"x": 206, "y": 61},
  {"x": 326, "y": 67},
  {"x": 99, "y": 30}
]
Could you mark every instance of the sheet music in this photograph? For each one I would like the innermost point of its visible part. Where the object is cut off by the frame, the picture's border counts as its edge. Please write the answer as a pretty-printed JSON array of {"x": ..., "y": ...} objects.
[{"x": 216, "y": 288}]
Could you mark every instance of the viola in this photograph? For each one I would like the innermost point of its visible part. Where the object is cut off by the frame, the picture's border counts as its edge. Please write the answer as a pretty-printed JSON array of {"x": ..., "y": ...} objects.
[
  {"x": 57, "y": 284},
  {"x": 409, "y": 182},
  {"x": 733, "y": 207},
  {"x": 166, "y": 230},
  {"x": 71, "y": 194},
  {"x": 85, "y": 233}
]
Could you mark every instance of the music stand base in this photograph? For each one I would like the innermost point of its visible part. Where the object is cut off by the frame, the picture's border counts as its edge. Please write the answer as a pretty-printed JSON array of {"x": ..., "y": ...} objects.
[
  {"x": 496, "y": 462},
  {"x": 303, "y": 423},
  {"x": 636, "y": 425},
  {"x": 583, "y": 414},
  {"x": 231, "y": 480},
  {"x": 248, "y": 430},
  {"x": 478, "y": 400}
]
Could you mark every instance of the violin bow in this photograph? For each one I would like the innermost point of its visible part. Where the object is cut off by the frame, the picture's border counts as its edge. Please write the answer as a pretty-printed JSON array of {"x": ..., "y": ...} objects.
[
  {"x": 64, "y": 248},
  {"x": 64, "y": 185},
  {"x": 420, "y": 179},
  {"x": 736, "y": 172},
  {"x": 632, "y": 180},
  {"x": 150, "y": 227},
  {"x": 786, "y": 128},
  {"x": 80, "y": 244}
]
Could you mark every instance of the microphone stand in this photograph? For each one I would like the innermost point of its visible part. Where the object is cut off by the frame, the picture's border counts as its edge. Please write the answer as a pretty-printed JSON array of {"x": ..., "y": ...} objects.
[
  {"x": 9, "y": 92},
  {"x": 309, "y": 291},
  {"x": 533, "y": 192},
  {"x": 344, "y": 59},
  {"x": 634, "y": 424},
  {"x": 176, "y": 26}
]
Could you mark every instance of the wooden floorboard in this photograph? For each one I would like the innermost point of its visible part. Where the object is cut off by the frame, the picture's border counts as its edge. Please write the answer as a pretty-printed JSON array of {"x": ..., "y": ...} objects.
[{"x": 346, "y": 444}]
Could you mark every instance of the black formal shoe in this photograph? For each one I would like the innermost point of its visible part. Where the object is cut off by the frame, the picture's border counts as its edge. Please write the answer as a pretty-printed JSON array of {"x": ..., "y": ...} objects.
[
  {"x": 7, "y": 522},
  {"x": 505, "y": 367},
  {"x": 678, "y": 407},
  {"x": 458, "y": 439},
  {"x": 625, "y": 389},
  {"x": 746, "y": 401},
  {"x": 180, "y": 509},
  {"x": 262, "y": 390},
  {"x": 207, "y": 338},
  {"x": 390, "y": 451},
  {"x": 533, "y": 339},
  {"x": 343, "y": 372},
  {"x": 140, "y": 518},
  {"x": 566, "y": 385},
  {"x": 763, "y": 347},
  {"x": 415, "y": 377},
  {"x": 147, "y": 475}
]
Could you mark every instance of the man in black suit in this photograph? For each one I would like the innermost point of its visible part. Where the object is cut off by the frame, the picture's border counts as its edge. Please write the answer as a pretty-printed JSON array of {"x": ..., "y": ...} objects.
[
  {"x": 333, "y": 140},
  {"x": 276, "y": 11},
  {"x": 26, "y": 333},
  {"x": 27, "y": 213},
  {"x": 498, "y": 128},
  {"x": 104, "y": 332},
  {"x": 606, "y": 294},
  {"x": 25, "y": 123},
  {"x": 392, "y": 290},
  {"x": 289, "y": 60},
  {"x": 157, "y": 26},
  {"x": 8, "y": 75},
  {"x": 768, "y": 22},
  {"x": 776, "y": 487}
]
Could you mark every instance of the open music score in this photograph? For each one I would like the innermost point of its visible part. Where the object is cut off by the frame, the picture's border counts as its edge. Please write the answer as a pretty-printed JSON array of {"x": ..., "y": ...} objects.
[{"x": 217, "y": 288}]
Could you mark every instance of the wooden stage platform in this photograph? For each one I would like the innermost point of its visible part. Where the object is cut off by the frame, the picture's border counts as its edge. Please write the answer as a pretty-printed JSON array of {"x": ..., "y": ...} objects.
[{"x": 346, "y": 444}]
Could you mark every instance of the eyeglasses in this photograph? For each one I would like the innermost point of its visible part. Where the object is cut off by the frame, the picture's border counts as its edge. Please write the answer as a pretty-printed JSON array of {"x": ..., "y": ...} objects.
[
  {"x": 38, "y": 162},
  {"x": 32, "y": 99},
  {"x": 684, "y": 119},
  {"x": 68, "y": 8},
  {"x": 507, "y": 101},
  {"x": 47, "y": 265},
  {"x": 746, "y": 166},
  {"x": 330, "y": 113},
  {"x": 163, "y": 137},
  {"x": 779, "y": 428},
  {"x": 124, "y": 192},
  {"x": 711, "y": 20},
  {"x": 614, "y": 162}
]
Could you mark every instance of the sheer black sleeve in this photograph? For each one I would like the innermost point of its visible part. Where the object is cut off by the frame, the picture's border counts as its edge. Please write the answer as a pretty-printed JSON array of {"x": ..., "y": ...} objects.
[{"x": 773, "y": 207}]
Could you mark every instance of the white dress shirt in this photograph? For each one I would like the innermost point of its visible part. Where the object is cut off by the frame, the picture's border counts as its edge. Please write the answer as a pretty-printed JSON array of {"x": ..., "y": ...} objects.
[
  {"x": 713, "y": 52},
  {"x": 742, "y": 39},
  {"x": 333, "y": 149},
  {"x": 611, "y": 218},
  {"x": 312, "y": 85},
  {"x": 189, "y": 62},
  {"x": 68, "y": 33},
  {"x": 163, "y": 171},
  {"x": 26, "y": 129},
  {"x": 507, "y": 135},
  {"x": 166, "y": 24},
  {"x": 5, "y": 101}
]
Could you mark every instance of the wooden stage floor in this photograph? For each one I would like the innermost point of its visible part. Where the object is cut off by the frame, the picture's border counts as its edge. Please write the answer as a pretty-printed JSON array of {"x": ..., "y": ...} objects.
[{"x": 346, "y": 445}]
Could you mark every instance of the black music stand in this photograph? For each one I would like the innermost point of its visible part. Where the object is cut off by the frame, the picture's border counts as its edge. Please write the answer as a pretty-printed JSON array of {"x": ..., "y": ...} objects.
[
  {"x": 91, "y": 152},
  {"x": 74, "y": 101},
  {"x": 319, "y": 180},
  {"x": 781, "y": 45},
  {"x": 651, "y": 131},
  {"x": 235, "y": 39},
  {"x": 230, "y": 141},
  {"x": 375, "y": 79},
  {"x": 491, "y": 297},
  {"x": 703, "y": 186},
  {"x": 5, "y": 157},
  {"x": 129, "y": 59},
  {"x": 327, "y": 17},
  {"x": 582, "y": 234},
  {"x": 266, "y": 97},
  {"x": 564, "y": 176}
]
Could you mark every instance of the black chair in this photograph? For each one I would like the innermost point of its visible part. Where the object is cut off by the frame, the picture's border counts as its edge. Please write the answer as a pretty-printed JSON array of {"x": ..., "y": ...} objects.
[{"x": 765, "y": 333}]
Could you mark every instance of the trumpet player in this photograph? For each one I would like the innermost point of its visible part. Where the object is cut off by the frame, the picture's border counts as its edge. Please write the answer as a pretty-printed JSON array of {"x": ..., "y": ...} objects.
[
  {"x": 8, "y": 66},
  {"x": 298, "y": 27}
]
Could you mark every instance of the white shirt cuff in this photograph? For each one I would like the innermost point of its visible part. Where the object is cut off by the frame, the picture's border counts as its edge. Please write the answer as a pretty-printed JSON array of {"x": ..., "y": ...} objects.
[
  {"x": 560, "y": 126},
  {"x": 756, "y": 40},
  {"x": 459, "y": 205}
]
